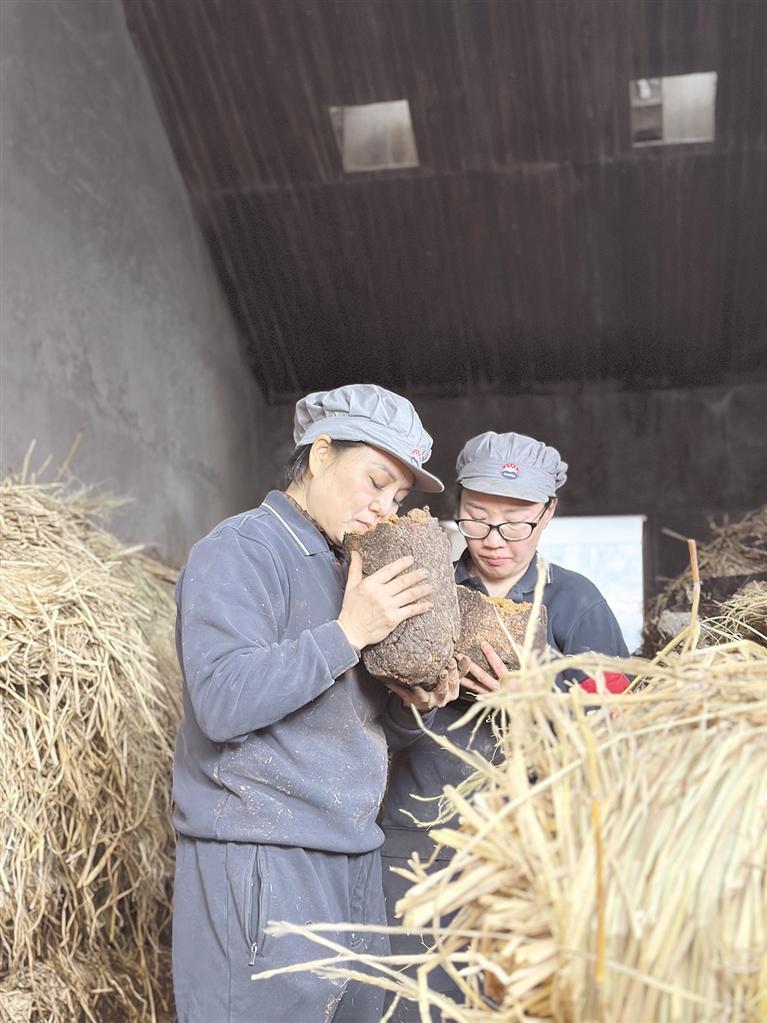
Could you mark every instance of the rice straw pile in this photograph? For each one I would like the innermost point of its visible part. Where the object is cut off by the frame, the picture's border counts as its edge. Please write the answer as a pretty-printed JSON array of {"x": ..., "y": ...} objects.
[
  {"x": 735, "y": 548},
  {"x": 627, "y": 884},
  {"x": 88, "y": 710},
  {"x": 744, "y": 615}
]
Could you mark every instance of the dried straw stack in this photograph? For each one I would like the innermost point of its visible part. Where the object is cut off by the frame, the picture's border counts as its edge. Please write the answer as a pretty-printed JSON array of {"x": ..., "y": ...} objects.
[
  {"x": 743, "y": 616},
  {"x": 628, "y": 883},
  {"x": 734, "y": 549},
  {"x": 88, "y": 708}
]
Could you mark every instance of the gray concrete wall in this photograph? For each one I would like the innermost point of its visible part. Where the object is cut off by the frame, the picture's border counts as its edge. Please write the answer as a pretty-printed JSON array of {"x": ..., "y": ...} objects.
[
  {"x": 629, "y": 452},
  {"x": 112, "y": 317}
]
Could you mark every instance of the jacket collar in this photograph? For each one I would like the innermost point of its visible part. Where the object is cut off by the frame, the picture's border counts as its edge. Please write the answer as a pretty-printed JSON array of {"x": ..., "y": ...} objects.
[{"x": 299, "y": 527}]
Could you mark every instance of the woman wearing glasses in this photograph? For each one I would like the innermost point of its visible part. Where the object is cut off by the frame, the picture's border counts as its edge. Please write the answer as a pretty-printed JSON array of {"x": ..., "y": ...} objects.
[{"x": 507, "y": 496}]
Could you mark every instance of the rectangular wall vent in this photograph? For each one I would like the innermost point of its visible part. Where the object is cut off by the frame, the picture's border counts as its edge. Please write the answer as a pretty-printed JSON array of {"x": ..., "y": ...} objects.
[
  {"x": 375, "y": 136},
  {"x": 673, "y": 109}
]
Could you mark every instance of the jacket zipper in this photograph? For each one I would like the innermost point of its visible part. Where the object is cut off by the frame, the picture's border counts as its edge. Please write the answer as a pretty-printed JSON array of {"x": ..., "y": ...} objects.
[{"x": 254, "y": 898}]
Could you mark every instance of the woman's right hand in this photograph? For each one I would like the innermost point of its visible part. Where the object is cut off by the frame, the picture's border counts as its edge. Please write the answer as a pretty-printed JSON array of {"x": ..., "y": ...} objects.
[{"x": 375, "y": 604}]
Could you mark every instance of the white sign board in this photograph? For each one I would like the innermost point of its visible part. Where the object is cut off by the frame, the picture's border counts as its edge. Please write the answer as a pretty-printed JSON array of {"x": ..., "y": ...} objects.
[{"x": 607, "y": 549}]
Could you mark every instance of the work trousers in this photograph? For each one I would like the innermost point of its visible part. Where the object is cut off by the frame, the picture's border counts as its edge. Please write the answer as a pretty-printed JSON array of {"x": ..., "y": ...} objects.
[
  {"x": 227, "y": 892},
  {"x": 396, "y": 853}
]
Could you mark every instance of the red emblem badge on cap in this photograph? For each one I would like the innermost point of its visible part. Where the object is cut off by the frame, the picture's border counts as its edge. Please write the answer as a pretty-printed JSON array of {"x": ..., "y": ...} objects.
[
  {"x": 510, "y": 471},
  {"x": 416, "y": 455}
]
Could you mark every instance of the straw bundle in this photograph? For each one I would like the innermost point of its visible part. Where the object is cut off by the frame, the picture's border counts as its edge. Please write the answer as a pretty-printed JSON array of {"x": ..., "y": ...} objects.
[
  {"x": 627, "y": 884},
  {"x": 88, "y": 689}
]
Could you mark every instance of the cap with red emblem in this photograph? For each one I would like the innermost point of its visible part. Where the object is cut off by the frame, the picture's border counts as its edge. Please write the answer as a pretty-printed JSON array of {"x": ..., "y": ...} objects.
[
  {"x": 369, "y": 413},
  {"x": 511, "y": 465}
]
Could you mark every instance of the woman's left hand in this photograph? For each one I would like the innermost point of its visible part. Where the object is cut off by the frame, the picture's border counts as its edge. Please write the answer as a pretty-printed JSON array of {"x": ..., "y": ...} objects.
[
  {"x": 445, "y": 692},
  {"x": 477, "y": 679}
]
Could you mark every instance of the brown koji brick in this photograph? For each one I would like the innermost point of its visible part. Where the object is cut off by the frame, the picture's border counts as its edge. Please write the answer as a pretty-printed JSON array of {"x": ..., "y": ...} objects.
[
  {"x": 480, "y": 621},
  {"x": 419, "y": 648}
]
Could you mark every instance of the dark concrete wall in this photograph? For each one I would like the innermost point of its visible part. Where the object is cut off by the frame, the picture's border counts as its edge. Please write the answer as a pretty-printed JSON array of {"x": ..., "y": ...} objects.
[
  {"x": 112, "y": 319},
  {"x": 676, "y": 456}
]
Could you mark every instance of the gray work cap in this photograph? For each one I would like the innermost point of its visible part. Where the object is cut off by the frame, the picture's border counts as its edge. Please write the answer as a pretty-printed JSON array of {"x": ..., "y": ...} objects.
[
  {"x": 368, "y": 413},
  {"x": 510, "y": 465}
]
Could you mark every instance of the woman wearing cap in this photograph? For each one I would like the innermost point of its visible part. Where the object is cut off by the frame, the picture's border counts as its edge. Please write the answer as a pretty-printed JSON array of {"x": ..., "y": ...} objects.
[
  {"x": 281, "y": 758},
  {"x": 507, "y": 496}
]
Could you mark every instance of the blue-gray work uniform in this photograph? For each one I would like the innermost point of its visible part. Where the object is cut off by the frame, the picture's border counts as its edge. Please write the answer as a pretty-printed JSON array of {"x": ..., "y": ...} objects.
[
  {"x": 279, "y": 773},
  {"x": 579, "y": 620}
]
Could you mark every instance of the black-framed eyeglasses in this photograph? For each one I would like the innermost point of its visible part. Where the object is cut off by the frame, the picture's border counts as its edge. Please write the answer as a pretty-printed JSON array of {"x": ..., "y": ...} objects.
[{"x": 474, "y": 529}]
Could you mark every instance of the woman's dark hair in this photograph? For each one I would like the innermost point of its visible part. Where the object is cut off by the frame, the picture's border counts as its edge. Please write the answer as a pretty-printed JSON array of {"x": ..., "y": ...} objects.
[
  {"x": 298, "y": 463},
  {"x": 457, "y": 500}
]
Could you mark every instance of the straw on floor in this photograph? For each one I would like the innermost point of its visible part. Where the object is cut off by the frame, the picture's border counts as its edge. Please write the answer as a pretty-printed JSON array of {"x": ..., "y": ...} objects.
[{"x": 88, "y": 708}]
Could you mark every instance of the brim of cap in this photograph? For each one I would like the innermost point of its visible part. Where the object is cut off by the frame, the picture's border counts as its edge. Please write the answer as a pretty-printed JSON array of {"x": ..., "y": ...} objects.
[
  {"x": 423, "y": 482},
  {"x": 501, "y": 487},
  {"x": 346, "y": 428}
]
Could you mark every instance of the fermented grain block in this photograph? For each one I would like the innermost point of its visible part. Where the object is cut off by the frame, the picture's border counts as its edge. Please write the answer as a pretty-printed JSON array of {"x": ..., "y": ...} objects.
[
  {"x": 419, "y": 648},
  {"x": 480, "y": 620}
]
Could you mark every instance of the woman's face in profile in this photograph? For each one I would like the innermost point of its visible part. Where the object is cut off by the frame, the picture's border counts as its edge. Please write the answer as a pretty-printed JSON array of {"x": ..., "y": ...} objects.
[{"x": 352, "y": 490}]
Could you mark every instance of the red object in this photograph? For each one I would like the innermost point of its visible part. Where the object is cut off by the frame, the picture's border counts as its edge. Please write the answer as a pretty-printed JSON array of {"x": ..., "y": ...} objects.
[{"x": 615, "y": 682}]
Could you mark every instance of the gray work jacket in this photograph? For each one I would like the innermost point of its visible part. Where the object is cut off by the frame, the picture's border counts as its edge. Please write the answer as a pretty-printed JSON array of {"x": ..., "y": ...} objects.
[{"x": 284, "y": 734}]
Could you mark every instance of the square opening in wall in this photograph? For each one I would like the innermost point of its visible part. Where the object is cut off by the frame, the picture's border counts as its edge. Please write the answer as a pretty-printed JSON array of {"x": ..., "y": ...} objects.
[
  {"x": 673, "y": 109},
  {"x": 375, "y": 136}
]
